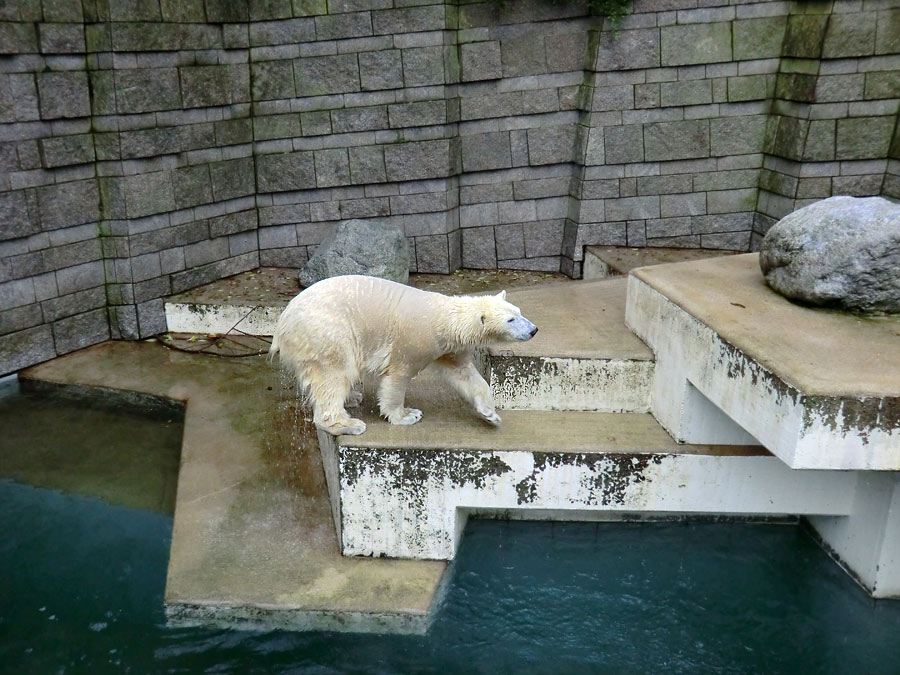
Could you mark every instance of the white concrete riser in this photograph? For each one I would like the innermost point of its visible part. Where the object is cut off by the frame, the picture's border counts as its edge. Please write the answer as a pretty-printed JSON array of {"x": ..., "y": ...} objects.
[
  {"x": 413, "y": 505},
  {"x": 221, "y": 318},
  {"x": 545, "y": 383}
]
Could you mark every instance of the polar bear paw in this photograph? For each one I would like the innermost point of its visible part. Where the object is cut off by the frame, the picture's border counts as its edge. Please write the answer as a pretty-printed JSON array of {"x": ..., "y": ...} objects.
[
  {"x": 489, "y": 415},
  {"x": 354, "y": 399},
  {"x": 405, "y": 416},
  {"x": 351, "y": 427}
]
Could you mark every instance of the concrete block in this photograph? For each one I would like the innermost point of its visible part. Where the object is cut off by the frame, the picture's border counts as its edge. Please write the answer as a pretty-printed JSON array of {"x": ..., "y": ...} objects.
[
  {"x": 864, "y": 137},
  {"x": 633, "y": 208},
  {"x": 618, "y": 97},
  {"x": 203, "y": 86},
  {"x": 232, "y": 179},
  {"x": 367, "y": 165},
  {"x": 623, "y": 144},
  {"x": 80, "y": 277},
  {"x": 737, "y": 135},
  {"x": 149, "y": 193},
  {"x": 204, "y": 252},
  {"x": 551, "y": 145},
  {"x": 690, "y": 204},
  {"x": 68, "y": 204},
  {"x": 272, "y": 80},
  {"x": 759, "y": 38},
  {"x": 478, "y": 248},
  {"x": 567, "y": 52},
  {"x": 139, "y": 91},
  {"x": 666, "y": 227},
  {"x": 64, "y": 94},
  {"x": 332, "y": 167},
  {"x": 281, "y": 32},
  {"x": 18, "y": 38},
  {"x": 321, "y": 75},
  {"x": 14, "y": 215},
  {"x": 690, "y": 92},
  {"x": 628, "y": 49},
  {"x": 233, "y": 223},
  {"x": 25, "y": 348},
  {"x": 695, "y": 43},
  {"x": 61, "y": 38},
  {"x": 287, "y": 171},
  {"x": 62, "y": 10},
  {"x": 481, "y": 152},
  {"x": 192, "y": 186},
  {"x": 20, "y": 318},
  {"x": 381, "y": 70},
  {"x": 820, "y": 141},
  {"x": 315, "y": 123},
  {"x": 409, "y": 19},
  {"x": 432, "y": 254},
  {"x": 67, "y": 150},
  {"x": 662, "y": 185},
  {"x": 730, "y": 201},
  {"x": 850, "y": 35},
  {"x": 523, "y": 55},
  {"x": 666, "y": 141},
  {"x": 887, "y": 35},
  {"x": 727, "y": 241},
  {"x": 510, "y": 241},
  {"x": 419, "y": 113},
  {"x": 58, "y": 308},
  {"x": 423, "y": 66},
  {"x": 543, "y": 238},
  {"x": 17, "y": 293},
  {"x": 480, "y": 61},
  {"x": 57, "y": 257},
  {"x": 365, "y": 118}
]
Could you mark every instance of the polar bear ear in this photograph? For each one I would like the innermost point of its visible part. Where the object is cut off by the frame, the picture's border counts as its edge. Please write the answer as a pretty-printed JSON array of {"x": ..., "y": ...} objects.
[{"x": 502, "y": 295}]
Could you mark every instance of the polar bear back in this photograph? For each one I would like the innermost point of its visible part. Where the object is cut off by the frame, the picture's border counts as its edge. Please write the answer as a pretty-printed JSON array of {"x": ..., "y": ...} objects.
[{"x": 364, "y": 322}]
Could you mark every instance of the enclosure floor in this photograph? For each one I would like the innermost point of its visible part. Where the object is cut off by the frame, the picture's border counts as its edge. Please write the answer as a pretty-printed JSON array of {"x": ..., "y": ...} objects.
[
  {"x": 253, "y": 540},
  {"x": 623, "y": 259}
]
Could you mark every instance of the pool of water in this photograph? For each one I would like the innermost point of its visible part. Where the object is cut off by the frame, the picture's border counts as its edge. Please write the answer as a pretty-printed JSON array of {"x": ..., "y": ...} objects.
[{"x": 83, "y": 579}]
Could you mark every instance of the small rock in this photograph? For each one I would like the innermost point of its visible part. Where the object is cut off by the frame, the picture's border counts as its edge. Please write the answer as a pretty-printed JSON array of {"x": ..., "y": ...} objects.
[
  {"x": 369, "y": 247},
  {"x": 841, "y": 252}
]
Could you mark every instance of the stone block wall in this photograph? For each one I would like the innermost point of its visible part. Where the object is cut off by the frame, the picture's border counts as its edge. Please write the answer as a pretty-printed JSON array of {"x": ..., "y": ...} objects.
[{"x": 150, "y": 146}]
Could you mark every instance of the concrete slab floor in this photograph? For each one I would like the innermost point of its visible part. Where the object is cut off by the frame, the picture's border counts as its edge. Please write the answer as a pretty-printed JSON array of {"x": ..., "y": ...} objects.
[
  {"x": 253, "y": 540},
  {"x": 818, "y": 351},
  {"x": 581, "y": 319}
]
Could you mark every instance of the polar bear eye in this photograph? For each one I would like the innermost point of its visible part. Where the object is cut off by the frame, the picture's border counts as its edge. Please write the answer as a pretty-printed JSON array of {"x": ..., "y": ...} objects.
[{"x": 511, "y": 319}]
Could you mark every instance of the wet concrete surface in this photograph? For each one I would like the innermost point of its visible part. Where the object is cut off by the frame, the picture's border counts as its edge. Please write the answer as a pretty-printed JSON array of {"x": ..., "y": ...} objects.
[{"x": 253, "y": 539}]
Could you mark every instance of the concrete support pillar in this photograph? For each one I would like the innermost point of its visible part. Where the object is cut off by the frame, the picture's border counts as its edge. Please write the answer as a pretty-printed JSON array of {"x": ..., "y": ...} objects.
[{"x": 867, "y": 542}]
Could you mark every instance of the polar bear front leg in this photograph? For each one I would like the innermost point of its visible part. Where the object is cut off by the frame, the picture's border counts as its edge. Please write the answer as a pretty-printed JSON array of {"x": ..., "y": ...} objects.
[
  {"x": 463, "y": 376},
  {"x": 391, "y": 396}
]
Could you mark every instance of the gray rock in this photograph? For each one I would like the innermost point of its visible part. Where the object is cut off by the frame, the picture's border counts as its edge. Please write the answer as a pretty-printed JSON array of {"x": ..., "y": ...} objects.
[
  {"x": 371, "y": 247},
  {"x": 841, "y": 252}
]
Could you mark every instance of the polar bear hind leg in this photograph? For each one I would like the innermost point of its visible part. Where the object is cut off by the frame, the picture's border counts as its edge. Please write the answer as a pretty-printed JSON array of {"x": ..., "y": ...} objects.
[{"x": 328, "y": 391}]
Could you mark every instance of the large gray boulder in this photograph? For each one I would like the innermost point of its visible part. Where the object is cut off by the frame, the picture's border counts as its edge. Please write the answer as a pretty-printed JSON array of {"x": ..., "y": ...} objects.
[
  {"x": 841, "y": 252},
  {"x": 370, "y": 247}
]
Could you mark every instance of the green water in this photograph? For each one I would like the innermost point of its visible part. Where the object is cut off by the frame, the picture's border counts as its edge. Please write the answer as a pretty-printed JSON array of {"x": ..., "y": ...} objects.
[{"x": 81, "y": 586}]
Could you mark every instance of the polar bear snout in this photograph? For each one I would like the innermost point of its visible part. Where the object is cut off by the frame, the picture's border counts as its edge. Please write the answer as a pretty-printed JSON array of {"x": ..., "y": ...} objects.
[{"x": 523, "y": 329}]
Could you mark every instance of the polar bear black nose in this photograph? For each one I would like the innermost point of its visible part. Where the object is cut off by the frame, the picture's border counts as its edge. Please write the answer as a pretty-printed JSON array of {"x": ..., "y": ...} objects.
[{"x": 534, "y": 332}]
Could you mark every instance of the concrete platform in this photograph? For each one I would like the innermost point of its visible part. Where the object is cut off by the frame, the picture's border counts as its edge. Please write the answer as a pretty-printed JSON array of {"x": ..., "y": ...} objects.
[
  {"x": 253, "y": 541},
  {"x": 819, "y": 388},
  {"x": 583, "y": 357},
  {"x": 602, "y": 262},
  {"x": 406, "y": 492}
]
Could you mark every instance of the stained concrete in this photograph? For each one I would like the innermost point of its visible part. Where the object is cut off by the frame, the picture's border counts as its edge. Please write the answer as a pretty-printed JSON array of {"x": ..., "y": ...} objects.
[
  {"x": 818, "y": 351},
  {"x": 253, "y": 540},
  {"x": 584, "y": 319}
]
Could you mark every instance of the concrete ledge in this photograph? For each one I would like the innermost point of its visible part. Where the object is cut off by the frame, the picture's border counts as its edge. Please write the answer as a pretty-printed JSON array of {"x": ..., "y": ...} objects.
[
  {"x": 253, "y": 542},
  {"x": 736, "y": 360}
]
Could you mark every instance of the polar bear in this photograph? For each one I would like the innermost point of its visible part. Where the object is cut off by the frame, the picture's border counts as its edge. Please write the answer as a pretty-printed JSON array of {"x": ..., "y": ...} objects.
[{"x": 344, "y": 328}]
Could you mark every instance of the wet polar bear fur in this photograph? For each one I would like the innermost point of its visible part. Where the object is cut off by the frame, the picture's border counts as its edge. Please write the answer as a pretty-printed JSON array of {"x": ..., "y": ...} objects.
[{"x": 342, "y": 329}]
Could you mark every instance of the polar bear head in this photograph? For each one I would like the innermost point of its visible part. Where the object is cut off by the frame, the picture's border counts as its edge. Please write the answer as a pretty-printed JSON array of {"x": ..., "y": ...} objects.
[{"x": 502, "y": 321}]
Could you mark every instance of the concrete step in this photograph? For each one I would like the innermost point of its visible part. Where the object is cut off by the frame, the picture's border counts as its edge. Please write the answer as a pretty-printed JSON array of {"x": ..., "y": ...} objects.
[
  {"x": 602, "y": 262},
  {"x": 583, "y": 357},
  {"x": 406, "y": 492}
]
